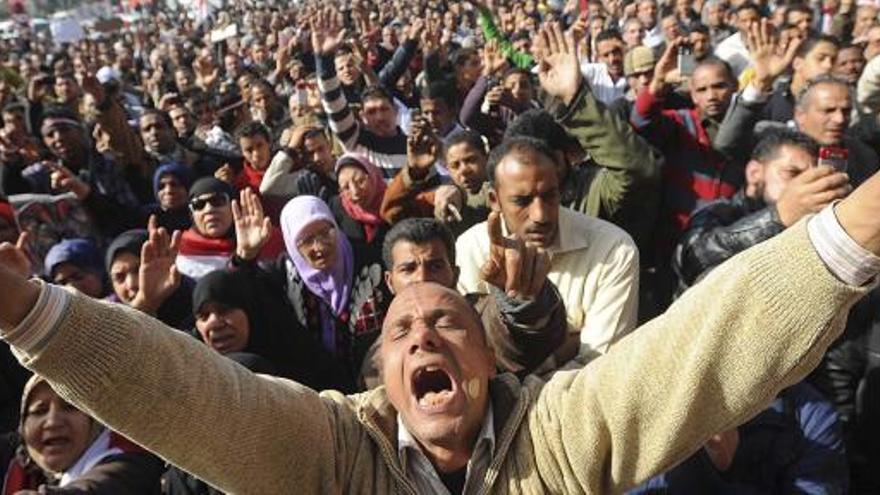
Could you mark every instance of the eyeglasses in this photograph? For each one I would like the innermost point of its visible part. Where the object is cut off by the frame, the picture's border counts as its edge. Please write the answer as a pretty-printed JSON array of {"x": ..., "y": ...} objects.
[
  {"x": 323, "y": 238},
  {"x": 216, "y": 200}
]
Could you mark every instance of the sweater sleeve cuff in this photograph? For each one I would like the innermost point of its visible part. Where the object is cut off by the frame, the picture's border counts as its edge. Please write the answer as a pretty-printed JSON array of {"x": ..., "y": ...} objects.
[
  {"x": 845, "y": 259},
  {"x": 31, "y": 335}
]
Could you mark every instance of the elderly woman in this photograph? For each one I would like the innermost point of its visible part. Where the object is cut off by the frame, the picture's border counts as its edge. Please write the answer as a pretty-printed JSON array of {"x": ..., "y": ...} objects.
[
  {"x": 357, "y": 208},
  {"x": 334, "y": 285},
  {"x": 64, "y": 450}
]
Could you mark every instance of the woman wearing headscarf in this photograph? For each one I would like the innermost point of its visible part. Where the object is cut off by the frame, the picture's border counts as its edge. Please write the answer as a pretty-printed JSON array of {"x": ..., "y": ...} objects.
[
  {"x": 64, "y": 450},
  {"x": 76, "y": 263},
  {"x": 334, "y": 286},
  {"x": 357, "y": 208},
  {"x": 210, "y": 243},
  {"x": 230, "y": 319},
  {"x": 123, "y": 263},
  {"x": 171, "y": 184}
]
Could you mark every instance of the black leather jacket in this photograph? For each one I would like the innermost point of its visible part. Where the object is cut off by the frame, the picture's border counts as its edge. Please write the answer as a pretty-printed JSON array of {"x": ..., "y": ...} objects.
[{"x": 720, "y": 230}]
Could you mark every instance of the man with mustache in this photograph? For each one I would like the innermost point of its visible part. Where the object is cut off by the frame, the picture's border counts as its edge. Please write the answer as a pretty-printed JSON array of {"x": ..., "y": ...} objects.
[
  {"x": 445, "y": 422},
  {"x": 594, "y": 264}
]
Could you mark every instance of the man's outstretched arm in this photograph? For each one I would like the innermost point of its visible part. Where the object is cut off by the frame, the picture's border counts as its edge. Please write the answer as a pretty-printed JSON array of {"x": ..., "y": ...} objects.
[
  {"x": 759, "y": 323},
  {"x": 175, "y": 396}
]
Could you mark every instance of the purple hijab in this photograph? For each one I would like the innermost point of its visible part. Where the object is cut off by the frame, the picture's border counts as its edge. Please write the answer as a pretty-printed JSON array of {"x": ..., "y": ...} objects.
[{"x": 332, "y": 285}]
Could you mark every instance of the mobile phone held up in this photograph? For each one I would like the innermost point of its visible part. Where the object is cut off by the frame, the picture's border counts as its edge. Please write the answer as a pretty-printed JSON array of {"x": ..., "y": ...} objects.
[
  {"x": 834, "y": 156},
  {"x": 686, "y": 61}
]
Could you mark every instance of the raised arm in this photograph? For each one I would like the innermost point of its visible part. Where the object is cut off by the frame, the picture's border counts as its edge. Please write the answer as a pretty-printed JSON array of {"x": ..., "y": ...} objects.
[
  {"x": 327, "y": 34},
  {"x": 720, "y": 354},
  {"x": 171, "y": 394},
  {"x": 410, "y": 192},
  {"x": 123, "y": 140},
  {"x": 491, "y": 32},
  {"x": 647, "y": 117},
  {"x": 404, "y": 54},
  {"x": 734, "y": 138},
  {"x": 527, "y": 322},
  {"x": 628, "y": 162}
]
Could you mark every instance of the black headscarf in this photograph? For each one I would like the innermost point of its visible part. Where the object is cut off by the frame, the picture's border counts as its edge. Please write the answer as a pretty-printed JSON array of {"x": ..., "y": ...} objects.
[
  {"x": 127, "y": 242},
  {"x": 232, "y": 289},
  {"x": 275, "y": 333},
  {"x": 176, "y": 310},
  {"x": 210, "y": 185}
]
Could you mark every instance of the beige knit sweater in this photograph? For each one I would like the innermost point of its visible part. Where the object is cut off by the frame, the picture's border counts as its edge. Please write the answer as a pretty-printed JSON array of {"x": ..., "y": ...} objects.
[{"x": 757, "y": 324}]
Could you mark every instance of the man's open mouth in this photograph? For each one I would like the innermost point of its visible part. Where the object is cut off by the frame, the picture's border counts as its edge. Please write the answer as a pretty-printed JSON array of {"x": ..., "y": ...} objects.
[{"x": 433, "y": 387}]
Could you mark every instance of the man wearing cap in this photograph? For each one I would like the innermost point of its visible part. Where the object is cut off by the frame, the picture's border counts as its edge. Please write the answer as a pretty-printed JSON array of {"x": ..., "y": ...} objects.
[{"x": 638, "y": 67}]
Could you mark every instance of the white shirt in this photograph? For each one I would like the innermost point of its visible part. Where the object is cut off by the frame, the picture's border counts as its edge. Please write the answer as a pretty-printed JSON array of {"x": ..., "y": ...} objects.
[
  {"x": 604, "y": 88},
  {"x": 594, "y": 266},
  {"x": 654, "y": 37},
  {"x": 421, "y": 472},
  {"x": 733, "y": 51}
]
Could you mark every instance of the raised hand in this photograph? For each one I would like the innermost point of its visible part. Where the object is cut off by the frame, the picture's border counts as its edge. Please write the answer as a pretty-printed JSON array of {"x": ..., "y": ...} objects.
[
  {"x": 158, "y": 277},
  {"x": 494, "y": 62},
  {"x": 15, "y": 256},
  {"x": 225, "y": 173},
  {"x": 768, "y": 64},
  {"x": 415, "y": 30},
  {"x": 252, "y": 226},
  {"x": 496, "y": 96},
  {"x": 38, "y": 88},
  {"x": 327, "y": 31},
  {"x": 422, "y": 149},
  {"x": 518, "y": 269},
  {"x": 580, "y": 28},
  {"x": 559, "y": 70},
  {"x": 62, "y": 179},
  {"x": 447, "y": 203},
  {"x": 666, "y": 67},
  {"x": 811, "y": 191},
  {"x": 92, "y": 86}
]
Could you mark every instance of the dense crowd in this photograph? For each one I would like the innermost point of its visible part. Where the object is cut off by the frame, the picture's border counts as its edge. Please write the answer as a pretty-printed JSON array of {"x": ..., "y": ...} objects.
[{"x": 304, "y": 187}]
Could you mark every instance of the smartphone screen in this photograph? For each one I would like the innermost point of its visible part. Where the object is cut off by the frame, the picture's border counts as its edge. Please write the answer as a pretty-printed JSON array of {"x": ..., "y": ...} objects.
[{"x": 686, "y": 62}]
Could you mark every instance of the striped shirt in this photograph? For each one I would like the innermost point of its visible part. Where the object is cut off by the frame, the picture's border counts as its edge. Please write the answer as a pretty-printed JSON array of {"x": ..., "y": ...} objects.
[{"x": 387, "y": 153}]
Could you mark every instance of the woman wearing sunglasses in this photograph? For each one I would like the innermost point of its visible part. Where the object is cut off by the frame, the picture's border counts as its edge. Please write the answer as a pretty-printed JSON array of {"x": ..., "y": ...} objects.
[{"x": 210, "y": 243}]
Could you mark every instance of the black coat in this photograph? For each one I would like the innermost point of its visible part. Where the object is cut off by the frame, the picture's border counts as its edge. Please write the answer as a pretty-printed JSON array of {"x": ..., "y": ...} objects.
[{"x": 356, "y": 329}]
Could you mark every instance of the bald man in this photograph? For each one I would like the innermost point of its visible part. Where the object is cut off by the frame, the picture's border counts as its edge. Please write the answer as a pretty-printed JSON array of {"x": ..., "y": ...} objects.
[{"x": 445, "y": 422}]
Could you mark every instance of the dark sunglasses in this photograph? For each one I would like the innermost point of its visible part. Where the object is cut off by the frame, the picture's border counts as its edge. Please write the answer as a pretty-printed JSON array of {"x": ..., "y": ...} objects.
[{"x": 216, "y": 200}]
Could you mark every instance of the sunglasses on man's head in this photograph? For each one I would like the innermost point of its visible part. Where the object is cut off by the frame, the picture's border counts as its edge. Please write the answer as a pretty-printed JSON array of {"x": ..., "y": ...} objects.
[{"x": 216, "y": 200}]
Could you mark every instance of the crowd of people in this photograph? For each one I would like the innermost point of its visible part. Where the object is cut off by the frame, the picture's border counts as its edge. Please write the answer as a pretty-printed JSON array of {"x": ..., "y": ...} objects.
[{"x": 501, "y": 227}]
